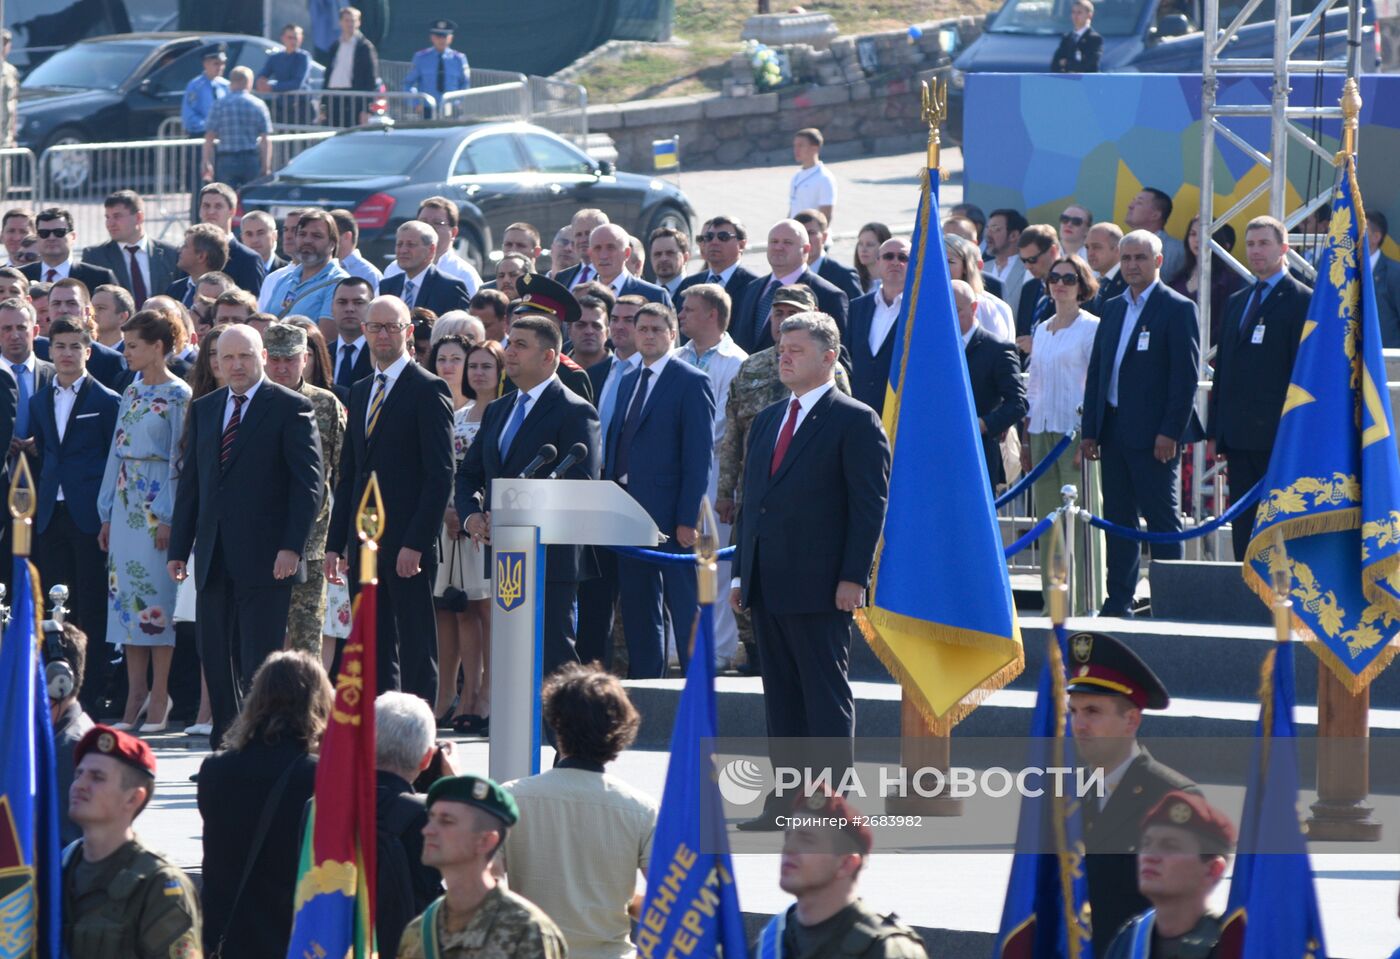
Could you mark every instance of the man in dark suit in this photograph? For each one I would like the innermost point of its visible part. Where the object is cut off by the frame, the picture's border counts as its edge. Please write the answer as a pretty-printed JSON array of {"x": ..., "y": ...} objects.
[
  {"x": 1081, "y": 48},
  {"x": 400, "y": 428},
  {"x": 873, "y": 320},
  {"x": 1385, "y": 274},
  {"x": 787, "y": 258},
  {"x": 141, "y": 265},
  {"x": 205, "y": 250},
  {"x": 70, "y": 298},
  {"x": 420, "y": 283},
  {"x": 31, "y": 374},
  {"x": 993, "y": 368},
  {"x": 660, "y": 448},
  {"x": 513, "y": 428},
  {"x": 842, "y": 277},
  {"x": 607, "y": 251},
  {"x": 722, "y": 242},
  {"x": 816, "y": 480},
  {"x": 1101, "y": 253},
  {"x": 73, "y": 425},
  {"x": 248, "y": 494},
  {"x": 350, "y": 354},
  {"x": 1254, "y": 363},
  {"x": 581, "y": 227},
  {"x": 217, "y": 203},
  {"x": 1039, "y": 247},
  {"x": 57, "y": 238},
  {"x": 1139, "y": 409},
  {"x": 1109, "y": 689}
]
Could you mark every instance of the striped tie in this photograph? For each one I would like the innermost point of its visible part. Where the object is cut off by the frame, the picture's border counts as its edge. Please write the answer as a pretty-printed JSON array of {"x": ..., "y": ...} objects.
[
  {"x": 231, "y": 430},
  {"x": 376, "y": 402}
]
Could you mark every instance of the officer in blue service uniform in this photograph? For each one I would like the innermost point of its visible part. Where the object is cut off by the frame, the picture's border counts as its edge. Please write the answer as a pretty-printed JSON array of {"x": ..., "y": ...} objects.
[
  {"x": 1181, "y": 859},
  {"x": 200, "y": 94},
  {"x": 438, "y": 69}
]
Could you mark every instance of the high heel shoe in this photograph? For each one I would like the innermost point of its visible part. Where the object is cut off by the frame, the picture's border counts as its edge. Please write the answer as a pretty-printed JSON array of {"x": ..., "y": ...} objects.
[
  {"x": 140, "y": 715},
  {"x": 160, "y": 726}
]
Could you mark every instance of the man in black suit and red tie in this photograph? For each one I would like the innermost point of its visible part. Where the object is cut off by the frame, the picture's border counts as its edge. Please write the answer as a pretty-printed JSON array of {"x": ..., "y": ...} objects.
[
  {"x": 816, "y": 481},
  {"x": 248, "y": 493},
  {"x": 1254, "y": 363},
  {"x": 400, "y": 428},
  {"x": 1081, "y": 49},
  {"x": 1139, "y": 409},
  {"x": 722, "y": 241}
]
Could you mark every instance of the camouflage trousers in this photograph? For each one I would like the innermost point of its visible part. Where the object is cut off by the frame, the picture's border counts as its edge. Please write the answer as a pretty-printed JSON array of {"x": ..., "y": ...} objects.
[{"x": 308, "y": 611}]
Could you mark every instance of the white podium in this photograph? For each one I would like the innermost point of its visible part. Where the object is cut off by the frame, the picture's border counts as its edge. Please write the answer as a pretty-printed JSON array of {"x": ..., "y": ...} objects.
[{"x": 526, "y": 516}]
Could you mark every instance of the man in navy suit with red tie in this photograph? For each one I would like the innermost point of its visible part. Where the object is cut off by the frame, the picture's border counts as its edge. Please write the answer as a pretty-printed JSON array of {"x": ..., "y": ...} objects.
[{"x": 816, "y": 481}]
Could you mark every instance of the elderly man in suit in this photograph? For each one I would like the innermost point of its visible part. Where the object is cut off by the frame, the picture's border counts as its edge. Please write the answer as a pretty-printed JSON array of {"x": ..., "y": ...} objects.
[
  {"x": 1101, "y": 253},
  {"x": 873, "y": 320},
  {"x": 143, "y": 266},
  {"x": 816, "y": 481},
  {"x": 399, "y": 428},
  {"x": 788, "y": 246},
  {"x": 248, "y": 494},
  {"x": 722, "y": 241},
  {"x": 1259, "y": 338},
  {"x": 607, "y": 252},
  {"x": 993, "y": 368},
  {"x": 421, "y": 283},
  {"x": 57, "y": 237},
  {"x": 581, "y": 228},
  {"x": 1081, "y": 48},
  {"x": 842, "y": 277},
  {"x": 1139, "y": 409},
  {"x": 659, "y": 449}
]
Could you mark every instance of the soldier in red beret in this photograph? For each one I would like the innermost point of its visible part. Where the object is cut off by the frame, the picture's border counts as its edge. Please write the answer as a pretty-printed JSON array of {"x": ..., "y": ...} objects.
[
  {"x": 1181, "y": 859},
  {"x": 120, "y": 899},
  {"x": 825, "y": 845}
]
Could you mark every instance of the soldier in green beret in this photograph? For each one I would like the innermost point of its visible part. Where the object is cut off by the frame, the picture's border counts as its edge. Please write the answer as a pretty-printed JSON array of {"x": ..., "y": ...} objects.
[{"x": 478, "y": 918}]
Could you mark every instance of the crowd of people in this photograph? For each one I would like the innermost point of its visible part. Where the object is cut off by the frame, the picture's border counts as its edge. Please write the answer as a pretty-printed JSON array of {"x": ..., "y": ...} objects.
[{"x": 202, "y": 422}]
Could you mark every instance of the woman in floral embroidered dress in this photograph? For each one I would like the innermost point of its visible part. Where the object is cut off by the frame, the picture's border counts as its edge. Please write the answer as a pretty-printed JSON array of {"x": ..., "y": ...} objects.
[{"x": 135, "y": 505}]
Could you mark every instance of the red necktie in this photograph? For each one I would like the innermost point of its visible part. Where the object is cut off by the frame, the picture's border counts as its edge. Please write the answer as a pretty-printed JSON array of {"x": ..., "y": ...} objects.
[
  {"x": 785, "y": 438},
  {"x": 53, "y": 275},
  {"x": 231, "y": 430},
  {"x": 138, "y": 282}
]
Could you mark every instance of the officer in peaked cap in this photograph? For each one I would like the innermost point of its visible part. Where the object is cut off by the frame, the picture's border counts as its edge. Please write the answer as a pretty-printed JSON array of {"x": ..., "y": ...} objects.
[
  {"x": 1180, "y": 860},
  {"x": 120, "y": 899},
  {"x": 541, "y": 296},
  {"x": 438, "y": 69},
  {"x": 1109, "y": 687}
]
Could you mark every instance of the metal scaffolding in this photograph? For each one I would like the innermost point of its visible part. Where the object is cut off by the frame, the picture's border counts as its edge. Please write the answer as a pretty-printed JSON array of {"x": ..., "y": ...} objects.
[{"x": 1285, "y": 132}]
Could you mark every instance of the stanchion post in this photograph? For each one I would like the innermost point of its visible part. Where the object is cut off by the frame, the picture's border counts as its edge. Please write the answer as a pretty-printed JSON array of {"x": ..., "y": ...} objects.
[{"x": 1069, "y": 496}]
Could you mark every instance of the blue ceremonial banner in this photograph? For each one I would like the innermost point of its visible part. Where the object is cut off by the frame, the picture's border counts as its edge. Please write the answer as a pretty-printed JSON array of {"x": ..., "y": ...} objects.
[
  {"x": 948, "y": 646},
  {"x": 30, "y": 873},
  {"x": 1046, "y": 913},
  {"x": 692, "y": 904},
  {"x": 1332, "y": 489},
  {"x": 1273, "y": 902}
]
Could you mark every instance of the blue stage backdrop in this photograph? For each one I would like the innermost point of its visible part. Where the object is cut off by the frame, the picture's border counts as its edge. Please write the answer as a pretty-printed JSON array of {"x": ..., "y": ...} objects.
[{"x": 1036, "y": 142}]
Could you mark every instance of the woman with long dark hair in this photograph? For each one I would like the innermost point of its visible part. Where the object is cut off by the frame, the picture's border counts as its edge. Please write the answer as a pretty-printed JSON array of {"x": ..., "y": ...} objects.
[{"x": 868, "y": 254}]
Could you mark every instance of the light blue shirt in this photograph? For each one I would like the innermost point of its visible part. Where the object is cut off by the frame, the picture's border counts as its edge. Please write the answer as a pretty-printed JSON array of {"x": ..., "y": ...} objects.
[
  {"x": 1129, "y": 331},
  {"x": 200, "y": 94},
  {"x": 319, "y": 292},
  {"x": 607, "y": 402},
  {"x": 356, "y": 265}
]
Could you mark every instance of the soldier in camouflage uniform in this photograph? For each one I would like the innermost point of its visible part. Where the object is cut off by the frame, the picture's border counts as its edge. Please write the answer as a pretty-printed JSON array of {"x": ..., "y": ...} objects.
[
  {"x": 287, "y": 357},
  {"x": 121, "y": 900},
  {"x": 755, "y": 387},
  {"x": 478, "y": 917}
]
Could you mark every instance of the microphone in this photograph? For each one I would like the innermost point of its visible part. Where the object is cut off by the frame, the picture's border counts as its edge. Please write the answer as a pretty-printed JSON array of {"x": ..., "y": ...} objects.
[
  {"x": 544, "y": 457},
  {"x": 576, "y": 452}
]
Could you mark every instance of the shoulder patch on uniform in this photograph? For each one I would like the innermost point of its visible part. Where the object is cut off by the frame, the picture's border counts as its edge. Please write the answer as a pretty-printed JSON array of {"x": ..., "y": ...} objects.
[{"x": 173, "y": 888}]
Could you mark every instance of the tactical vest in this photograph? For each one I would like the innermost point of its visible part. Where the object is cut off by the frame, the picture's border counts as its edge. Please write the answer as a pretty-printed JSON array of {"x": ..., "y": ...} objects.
[{"x": 102, "y": 923}]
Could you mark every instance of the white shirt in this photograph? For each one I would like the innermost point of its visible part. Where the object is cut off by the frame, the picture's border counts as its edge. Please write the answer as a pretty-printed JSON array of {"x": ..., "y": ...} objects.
[
  {"x": 886, "y": 314},
  {"x": 143, "y": 261},
  {"x": 811, "y": 189},
  {"x": 1106, "y": 277},
  {"x": 391, "y": 377},
  {"x": 722, "y": 277},
  {"x": 247, "y": 399},
  {"x": 585, "y": 273},
  {"x": 63, "y": 399},
  {"x": 1059, "y": 367},
  {"x": 994, "y": 315},
  {"x": 1000, "y": 273},
  {"x": 1375, "y": 258},
  {"x": 342, "y": 65},
  {"x": 449, "y": 264},
  {"x": 60, "y": 272},
  {"x": 967, "y": 337},
  {"x": 1130, "y": 319},
  {"x": 721, "y": 364},
  {"x": 340, "y": 344}
]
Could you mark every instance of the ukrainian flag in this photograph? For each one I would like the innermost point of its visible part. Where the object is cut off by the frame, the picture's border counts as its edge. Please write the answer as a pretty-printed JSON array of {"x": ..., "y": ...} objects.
[
  {"x": 665, "y": 154},
  {"x": 942, "y": 620},
  {"x": 1332, "y": 489}
]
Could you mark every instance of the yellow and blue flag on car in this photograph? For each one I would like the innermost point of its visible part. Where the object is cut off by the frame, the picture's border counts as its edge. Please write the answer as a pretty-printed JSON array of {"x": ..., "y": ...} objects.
[{"x": 666, "y": 154}]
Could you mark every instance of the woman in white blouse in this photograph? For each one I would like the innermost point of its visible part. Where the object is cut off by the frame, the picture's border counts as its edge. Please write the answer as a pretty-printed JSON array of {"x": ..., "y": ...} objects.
[
  {"x": 1059, "y": 366},
  {"x": 965, "y": 263}
]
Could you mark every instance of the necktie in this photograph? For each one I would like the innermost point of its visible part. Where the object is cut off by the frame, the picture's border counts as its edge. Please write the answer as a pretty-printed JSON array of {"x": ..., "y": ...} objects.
[
  {"x": 765, "y": 306},
  {"x": 376, "y": 402},
  {"x": 410, "y": 291},
  {"x": 632, "y": 423},
  {"x": 53, "y": 275},
  {"x": 231, "y": 430},
  {"x": 785, "y": 437},
  {"x": 712, "y": 279},
  {"x": 138, "y": 282},
  {"x": 516, "y": 418},
  {"x": 584, "y": 275},
  {"x": 22, "y": 413},
  {"x": 345, "y": 376},
  {"x": 1256, "y": 302},
  {"x": 441, "y": 73}
]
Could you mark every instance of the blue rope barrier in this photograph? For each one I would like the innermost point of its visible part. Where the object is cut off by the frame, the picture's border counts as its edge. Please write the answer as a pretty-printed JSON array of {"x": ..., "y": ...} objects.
[
  {"x": 1229, "y": 516},
  {"x": 661, "y": 556},
  {"x": 1036, "y": 531},
  {"x": 1024, "y": 483}
]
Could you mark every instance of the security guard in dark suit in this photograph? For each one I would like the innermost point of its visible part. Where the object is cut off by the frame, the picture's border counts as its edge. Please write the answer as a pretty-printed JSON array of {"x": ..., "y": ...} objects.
[
  {"x": 438, "y": 69},
  {"x": 1109, "y": 687}
]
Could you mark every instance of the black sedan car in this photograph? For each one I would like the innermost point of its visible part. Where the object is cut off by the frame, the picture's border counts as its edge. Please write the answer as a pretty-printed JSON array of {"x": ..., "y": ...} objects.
[
  {"x": 122, "y": 87},
  {"x": 496, "y": 172}
]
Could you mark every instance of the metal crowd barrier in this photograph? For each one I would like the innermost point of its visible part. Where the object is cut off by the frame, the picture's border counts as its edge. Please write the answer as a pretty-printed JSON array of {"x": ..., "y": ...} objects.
[
  {"x": 394, "y": 73},
  {"x": 561, "y": 107},
  {"x": 17, "y": 175},
  {"x": 480, "y": 104}
]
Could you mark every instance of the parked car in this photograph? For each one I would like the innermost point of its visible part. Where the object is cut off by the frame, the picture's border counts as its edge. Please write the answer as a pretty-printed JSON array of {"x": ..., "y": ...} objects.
[
  {"x": 1140, "y": 36},
  {"x": 497, "y": 172},
  {"x": 122, "y": 87}
]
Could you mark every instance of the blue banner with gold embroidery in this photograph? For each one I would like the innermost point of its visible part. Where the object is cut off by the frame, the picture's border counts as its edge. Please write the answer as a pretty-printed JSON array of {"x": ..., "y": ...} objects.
[{"x": 1332, "y": 489}]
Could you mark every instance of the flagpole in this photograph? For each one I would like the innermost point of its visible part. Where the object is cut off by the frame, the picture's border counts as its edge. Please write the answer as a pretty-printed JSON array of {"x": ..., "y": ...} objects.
[
  {"x": 369, "y": 523},
  {"x": 22, "y": 506},
  {"x": 1342, "y": 813}
]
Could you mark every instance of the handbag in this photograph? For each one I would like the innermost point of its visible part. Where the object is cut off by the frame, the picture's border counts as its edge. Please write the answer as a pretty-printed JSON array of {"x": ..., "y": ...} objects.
[
  {"x": 453, "y": 598},
  {"x": 254, "y": 850}
]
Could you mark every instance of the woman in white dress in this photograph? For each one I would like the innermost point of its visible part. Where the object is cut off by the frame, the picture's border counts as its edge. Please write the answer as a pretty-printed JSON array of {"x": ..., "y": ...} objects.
[{"x": 473, "y": 373}]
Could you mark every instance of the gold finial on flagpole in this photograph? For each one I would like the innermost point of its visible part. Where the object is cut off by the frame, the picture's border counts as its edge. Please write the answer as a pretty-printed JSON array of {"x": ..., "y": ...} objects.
[
  {"x": 369, "y": 523},
  {"x": 1281, "y": 576},
  {"x": 934, "y": 97},
  {"x": 1351, "y": 118},
  {"x": 706, "y": 548},
  {"x": 22, "y": 506}
]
